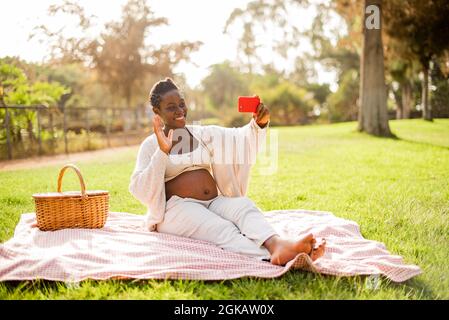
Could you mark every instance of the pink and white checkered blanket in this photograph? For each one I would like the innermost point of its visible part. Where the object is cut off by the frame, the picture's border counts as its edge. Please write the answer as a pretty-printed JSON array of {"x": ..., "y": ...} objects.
[{"x": 123, "y": 249}]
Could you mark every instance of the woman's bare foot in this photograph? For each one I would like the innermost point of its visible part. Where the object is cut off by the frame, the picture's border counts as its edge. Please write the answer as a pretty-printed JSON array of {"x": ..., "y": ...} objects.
[
  {"x": 318, "y": 252},
  {"x": 282, "y": 251}
]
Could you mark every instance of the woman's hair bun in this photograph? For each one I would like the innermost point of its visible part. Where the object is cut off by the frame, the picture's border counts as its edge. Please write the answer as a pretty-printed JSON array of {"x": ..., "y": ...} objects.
[{"x": 159, "y": 89}]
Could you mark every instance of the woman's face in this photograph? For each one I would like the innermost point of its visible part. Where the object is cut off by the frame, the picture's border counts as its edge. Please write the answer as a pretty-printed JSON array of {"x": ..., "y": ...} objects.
[{"x": 172, "y": 109}]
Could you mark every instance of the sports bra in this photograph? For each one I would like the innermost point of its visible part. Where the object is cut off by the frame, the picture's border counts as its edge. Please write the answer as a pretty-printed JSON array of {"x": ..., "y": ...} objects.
[{"x": 199, "y": 158}]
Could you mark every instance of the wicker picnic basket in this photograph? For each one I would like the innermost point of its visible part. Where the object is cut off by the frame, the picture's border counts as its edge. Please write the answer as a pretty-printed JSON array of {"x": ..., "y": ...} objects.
[{"x": 71, "y": 209}]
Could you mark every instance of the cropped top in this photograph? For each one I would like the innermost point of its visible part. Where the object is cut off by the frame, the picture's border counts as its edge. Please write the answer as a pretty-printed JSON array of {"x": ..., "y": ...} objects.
[{"x": 199, "y": 158}]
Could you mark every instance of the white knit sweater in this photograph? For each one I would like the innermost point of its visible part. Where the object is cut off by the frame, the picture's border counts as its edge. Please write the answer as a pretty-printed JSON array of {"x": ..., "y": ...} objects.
[{"x": 230, "y": 172}]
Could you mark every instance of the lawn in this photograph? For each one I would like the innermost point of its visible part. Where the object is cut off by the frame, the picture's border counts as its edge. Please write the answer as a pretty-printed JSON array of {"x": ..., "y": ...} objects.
[{"x": 397, "y": 190}]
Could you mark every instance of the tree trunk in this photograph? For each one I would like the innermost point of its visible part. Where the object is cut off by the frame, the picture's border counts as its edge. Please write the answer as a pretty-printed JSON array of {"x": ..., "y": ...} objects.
[
  {"x": 128, "y": 98},
  {"x": 425, "y": 105},
  {"x": 406, "y": 89},
  {"x": 399, "y": 105},
  {"x": 250, "y": 65},
  {"x": 373, "y": 115},
  {"x": 30, "y": 130}
]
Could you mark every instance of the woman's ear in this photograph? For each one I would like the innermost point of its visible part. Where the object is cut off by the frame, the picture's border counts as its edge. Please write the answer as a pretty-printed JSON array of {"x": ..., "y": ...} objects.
[{"x": 156, "y": 111}]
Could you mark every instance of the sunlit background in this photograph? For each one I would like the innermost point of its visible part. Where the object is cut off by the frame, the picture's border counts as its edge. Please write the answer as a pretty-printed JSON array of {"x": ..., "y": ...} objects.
[
  {"x": 82, "y": 70},
  {"x": 194, "y": 20}
]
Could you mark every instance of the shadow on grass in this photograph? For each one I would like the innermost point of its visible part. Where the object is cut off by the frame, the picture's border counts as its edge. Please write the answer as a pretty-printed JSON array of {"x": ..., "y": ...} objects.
[
  {"x": 395, "y": 137},
  {"x": 425, "y": 144},
  {"x": 296, "y": 282}
]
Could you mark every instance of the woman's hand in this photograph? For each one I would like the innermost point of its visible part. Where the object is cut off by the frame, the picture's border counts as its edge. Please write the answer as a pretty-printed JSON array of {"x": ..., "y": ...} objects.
[
  {"x": 262, "y": 115},
  {"x": 165, "y": 142}
]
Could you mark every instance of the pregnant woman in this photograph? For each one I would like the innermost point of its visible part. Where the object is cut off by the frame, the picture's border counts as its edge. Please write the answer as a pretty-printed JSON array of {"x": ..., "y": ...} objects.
[{"x": 190, "y": 191}]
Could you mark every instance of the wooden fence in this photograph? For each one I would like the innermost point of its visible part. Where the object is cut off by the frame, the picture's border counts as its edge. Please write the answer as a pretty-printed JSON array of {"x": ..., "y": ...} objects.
[{"x": 27, "y": 131}]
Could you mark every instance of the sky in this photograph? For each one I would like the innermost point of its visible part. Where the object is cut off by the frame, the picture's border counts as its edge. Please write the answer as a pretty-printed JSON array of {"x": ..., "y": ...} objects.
[{"x": 193, "y": 20}]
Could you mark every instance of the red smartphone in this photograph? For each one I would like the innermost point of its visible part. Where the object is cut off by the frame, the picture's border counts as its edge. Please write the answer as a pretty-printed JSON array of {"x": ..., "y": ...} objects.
[{"x": 248, "y": 104}]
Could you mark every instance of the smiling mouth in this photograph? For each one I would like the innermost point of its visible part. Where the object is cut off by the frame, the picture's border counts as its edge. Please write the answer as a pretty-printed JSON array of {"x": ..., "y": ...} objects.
[{"x": 180, "y": 118}]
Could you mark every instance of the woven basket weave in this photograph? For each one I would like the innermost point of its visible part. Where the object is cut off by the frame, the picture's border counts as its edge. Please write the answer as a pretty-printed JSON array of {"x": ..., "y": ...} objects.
[{"x": 71, "y": 209}]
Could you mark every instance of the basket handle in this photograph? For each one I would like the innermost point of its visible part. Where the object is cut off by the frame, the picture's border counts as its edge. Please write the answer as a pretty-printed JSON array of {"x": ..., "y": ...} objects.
[{"x": 78, "y": 172}]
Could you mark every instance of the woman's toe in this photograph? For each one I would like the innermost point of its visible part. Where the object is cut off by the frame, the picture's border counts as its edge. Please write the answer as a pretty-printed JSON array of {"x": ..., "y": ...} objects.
[{"x": 318, "y": 252}]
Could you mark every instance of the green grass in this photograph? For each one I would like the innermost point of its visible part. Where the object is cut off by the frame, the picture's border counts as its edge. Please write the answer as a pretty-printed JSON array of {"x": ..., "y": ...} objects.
[{"x": 397, "y": 190}]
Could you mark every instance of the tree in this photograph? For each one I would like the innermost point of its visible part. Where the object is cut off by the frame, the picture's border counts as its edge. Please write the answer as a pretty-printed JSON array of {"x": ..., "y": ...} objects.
[
  {"x": 117, "y": 54},
  {"x": 373, "y": 116},
  {"x": 223, "y": 85},
  {"x": 402, "y": 73},
  {"x": 422, "y": 28},
  {"x": 18, "y": 90},
  {"x": 440, "y": 96},
  {"x": 263, "y": 16},
  {"x": 289, "y": 104},
  {"x": 120, "y": 57},
  {"x": 342, "y": 104},
  {"x": 343, "y": 57}
]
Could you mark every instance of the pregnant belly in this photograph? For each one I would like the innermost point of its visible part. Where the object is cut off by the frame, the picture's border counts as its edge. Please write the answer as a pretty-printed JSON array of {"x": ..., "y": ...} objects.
[{"x": 197, "y": 184}]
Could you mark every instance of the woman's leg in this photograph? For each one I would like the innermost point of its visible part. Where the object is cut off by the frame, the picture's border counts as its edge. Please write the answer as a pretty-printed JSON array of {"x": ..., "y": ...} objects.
[
  {"x": 192, "y": 219},
  {"x": 245, "y": 215},
  {"x": 249, "y": 219}
]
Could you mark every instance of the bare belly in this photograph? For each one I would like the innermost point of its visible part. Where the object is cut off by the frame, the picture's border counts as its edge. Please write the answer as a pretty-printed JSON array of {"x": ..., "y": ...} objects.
[{"x": 197, "y": 184}]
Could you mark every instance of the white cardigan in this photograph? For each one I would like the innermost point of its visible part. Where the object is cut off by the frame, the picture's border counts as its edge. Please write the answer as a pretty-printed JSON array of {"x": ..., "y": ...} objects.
[{"x": 232, "y": 178}]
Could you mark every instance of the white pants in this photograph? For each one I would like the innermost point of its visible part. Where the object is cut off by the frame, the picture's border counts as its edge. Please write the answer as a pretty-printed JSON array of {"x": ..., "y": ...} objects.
[{"x": 232, "y": 223}]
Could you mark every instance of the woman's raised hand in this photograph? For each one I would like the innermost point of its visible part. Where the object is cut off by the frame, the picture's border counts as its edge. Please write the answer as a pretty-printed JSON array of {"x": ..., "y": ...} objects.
[
  {"x": 262, "y": 115},
  {"x": 165, "y": 142}
]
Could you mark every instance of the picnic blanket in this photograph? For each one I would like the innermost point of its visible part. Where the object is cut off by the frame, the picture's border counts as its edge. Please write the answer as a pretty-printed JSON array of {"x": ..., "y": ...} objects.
[{"x": 123, "y": 249}]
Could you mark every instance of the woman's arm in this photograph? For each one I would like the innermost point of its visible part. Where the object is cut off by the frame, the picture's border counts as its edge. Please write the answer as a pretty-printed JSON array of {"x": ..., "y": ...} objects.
[
  {"x": 147, "y": 181},
  {"x": 235, "y": 145},
  {"x": 149, "y": 170},
  {"x": 229, "y": 145}
]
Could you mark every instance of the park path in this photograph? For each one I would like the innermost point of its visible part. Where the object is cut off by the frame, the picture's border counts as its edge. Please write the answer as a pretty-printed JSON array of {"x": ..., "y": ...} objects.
[{"x": 45, "y": 161}]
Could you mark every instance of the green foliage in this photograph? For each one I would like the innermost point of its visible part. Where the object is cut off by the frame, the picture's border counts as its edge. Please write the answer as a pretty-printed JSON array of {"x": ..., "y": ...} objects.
[
  {"x": 288, "y": 103},
  {"x": 46, "y": 93},
  {"x": 342, "y": 105},
  {"x": 320, "y": 91},
  {"x": 343, "y": 58},
  {"x": 419, "y": 30},
  {"x": 420, "y": 26},
  {"x": 15, "y": 84},
  {"x": 269, "y": 79},
  {"x": 440, "y": 96},
  {"x": 11, "y": 77},
  {"x": 19, "y": 91},
  {"x": 223, "y": 85}
]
